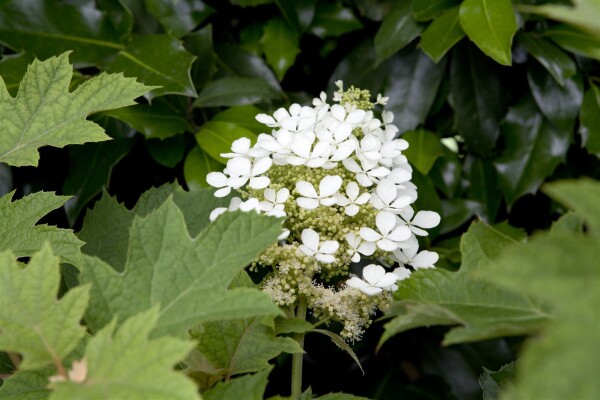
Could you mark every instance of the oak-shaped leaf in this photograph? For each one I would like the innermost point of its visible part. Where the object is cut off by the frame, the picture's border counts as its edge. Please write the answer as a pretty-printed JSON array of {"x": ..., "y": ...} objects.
[
  {"x": 45, "y": 113},
  {"x": 125, "y": 363},
  {"x": 19, "y": 234},
  {"x": 187, "y": 277},
  {"x": 33, "y": 322}
]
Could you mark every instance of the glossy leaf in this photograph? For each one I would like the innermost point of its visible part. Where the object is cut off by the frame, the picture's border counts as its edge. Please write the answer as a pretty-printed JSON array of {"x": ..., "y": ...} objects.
[
  {"x": 446, "y": 172},
  {"x": 157, "y": 120},
  {"x": 12, "y": 69},
  {"x": 396, "y": 31},
  {"x": 491, "y": 25},
  {"x": 575, "y": 40},
  {"x": 483, "y": 186},
  {"x": 443, "y": 33},
  {"x": 476, "y": 98},
  {"x": 583, "y": 15},
  {"x": 560, "y": 104},
  {"x": 172, "y": 73},
  {"x": 200, "y": 44},
  {"x": 581, "y": 196},
  {"x": 179, "y": 17},
  {"x": 239, "y": 62},
  {"x": 244, "y": 116},
  {"x": 424, "y": 149},
  {"x": 425, "y": 10},
  {"x": 196, "y": 166},
  {"x": 168, "y": 152},
  {"x": 589, "y": 119},
  {"x": 216, "y": 137},
  {"x": 556, "y": 62},
  {"x": 298, "y": 14},
  {"x": 280, "y": 45},
  {"x": 533, "y": 148},
  {"x": 333, "y": 19},
  {"x": 235, "y": 91},
  {"x": 413, "y": 89},
  {"x": 251, "y": 387},
  {"x": 455, "y": 213}
]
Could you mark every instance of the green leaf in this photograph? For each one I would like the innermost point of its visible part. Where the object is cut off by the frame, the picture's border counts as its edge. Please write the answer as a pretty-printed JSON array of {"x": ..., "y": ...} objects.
[
  {"x": 27, "y": 385},
  {"x": 235, "y": 91},
  {"x": 443, "y": 33},
  {"x": 339, "y": 342},
  {"x": 424, "y": 148},
  {"x": 492, "y": 382},
  {"x": 42, "y": 329},
  {"x": 491, "y": 25},
  {"x": 560, "y": 104},
  {"x": 172, "y": 73},
  {"x": 216, "y": 137},
  {"x": 396, "y": 31},
  {"x": 20, "y": 235},
  {"x": 179, "y": 17},
  {"x": 189, "y": 276},
  {"x": 589, "y": 120},
  {"x": 45, "y": 113},
  {"x": 333, "y": 19},
  {"x": 237, "y": 61},
  {"x": 168, "y": 152},
  {"x": 533, "y": 149},
  {"x": 476, "y": 93},
  {"x": 200, "y": 44},
  {"x": 483, "y": 186},
  {"x": 280, "y": 45},
  {"x": 584, "y": 15},
  {"x": 582, "y": 196},
  {"x": 575, "y": 40},
  {"x": 251, "y": 387},
  {"x": 446, "y": 172},
  {"x": 425, "y": 10},
  {"x": 91, "y": 167},
  {"x": 291, "y": 325},
  {"x": 243, "y": 116},
  {"x": 108, "y": 359},
  {"x": 196, "y": 166},
  {"x": 481, "y": 310},
  {"x": 556, "y": 62},
  {"x": 299, "y": 14},
  {"x": 12, "y": 69},
  {"x": 236, "y": 347},
  {"x": 413, "y": 89}
]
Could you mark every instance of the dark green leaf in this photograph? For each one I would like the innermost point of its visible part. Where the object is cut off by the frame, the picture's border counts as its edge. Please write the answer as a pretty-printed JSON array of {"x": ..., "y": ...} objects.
[
  {"x": 581, "y": 14},
  {"x": 339, "y": 342},
  {"x": 483, "y": 186},
  {"x": 476, "y": 98},
  {"x": 12, "y": 69},
  {"x": 424, "y": 148},
  {"x": 455, "y": 213},
  {"x": 200, "y": 44},
  {"x": 396, "y": 31},
  {"x": 291, "y": 325},
  {"x": 359, "y": 68},
  {"x": 179, "y": 17},
  {"x": 251, "y": 387},
  {"x": 491, "y": 25},
  {"x": 446, "y": 172},
  {"x": 168, "y": 152},
  {"x": 589, "y": 120},
  {"x": 237, "y": 61},
  {"x": 413, "y": 89},
  {"x": 280, "y": 45},
  {"x": 492, "y": 382},
  {"x": 560, "y": 104},
  {"x": 424, "y": 10},
  {"x": 250, "y": 3},
  {"x": 533, "y": 148},
  {"x": 575, "y": 40},
  {"x": 443, "y": 33},
  {"x": 298, "y": 14},
  {"x": 558, "y": 64},
  {"x": 333, "y": 19},
  {"x": 244, "y": 116},
  {"x": 172, "y": 73},
  {"x": 234, "y": 91},
  {"x": 216, "y": 137},
  {"x": 197, "y": 165}
]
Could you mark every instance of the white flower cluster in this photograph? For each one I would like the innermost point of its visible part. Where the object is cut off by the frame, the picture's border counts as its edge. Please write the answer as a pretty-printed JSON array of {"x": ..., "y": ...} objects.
[{"x": 347, "y": 161}]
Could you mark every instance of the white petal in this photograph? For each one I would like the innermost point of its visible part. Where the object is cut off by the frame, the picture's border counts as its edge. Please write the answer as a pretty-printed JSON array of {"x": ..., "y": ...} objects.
[
  {"x": 367, "y": 248},
  {"x": 352, "y": 165},
  {"x": 342, "y": 132},
  {"x": 426, "y": 219},
  {"x": 356, "y": 282},
  {"x": 355, "y": 116},
  {"x": 369, "y": 234},
  {"x": 306, "y": 203},
  {"x": 295, "y": 109},
  {"x": 352, "y": 190},
  {"x": 289, "y": 124},
  {"x": 266, "y": 119},
  {"x": 353, "y": 239},
  {"x": 302, "y": 145},
  {"x": 402, "y": 273},
  {"x": 338, "y": 112},
  {"x": 261, "y": 166},
  {"x": 351, "y": 210},
  {"x": 379, "y": 172},
  {"x": 259, "y": 182},
  {"x": 306, "y": 250},
  {"x": 371, "y": 290},
  {"x": 216, "y": 212},
  {"x": 269, "y": 195},
  {"x": 266, "y": 205},
  {"x": 216, "y": 179},
  {"x": 341, "y": 200},
  {"x": 401, "y": 202},
  {"x": 407, "y": 214},
  {"x": 281, "y": 113},
  {"x": 364, "y": 180},
  {"x": 282, "y": 195},
  {"x": 241, "y": 145},
  {"x": 329, "y": 185},
  {"x": 310, "y": 239},
  {"x": 329, "y": 247},
  {"x": 387, "y": 245},
  {"x": 385, "y": 222},
  {"x": 387, "y": 280},
  {"x": 386, "y": 190},
  {"x": 372, "y": 273},
  {"x": 306, "y": 189},
  {"x": 325, "y": 258},
  {"x": 328, "y": 201},
  {"x": 249, "y": 205},
  {"x": 237, "y": 182},
  {"x": 343, "y": 151},
  {"x": 223, "y": 192},
  {"x": 418, "y": 231},
  {"x": 400, "y": 233},
  {"x": 355, "y": 257},
  {"x": 363, "y": 198},
  {"x": 425, "y": 259},
  {"x": 284, "y": 234}
]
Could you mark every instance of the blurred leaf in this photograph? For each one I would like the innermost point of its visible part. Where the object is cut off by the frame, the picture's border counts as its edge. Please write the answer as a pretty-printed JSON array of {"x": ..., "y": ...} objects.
[
  {"x": 168, "y": 152},
  {"x": 216, "y": 137},
  {"x": 476, "y": 93},
  {"x": 574, "y": 40},
  {"x": 455, "y": 213},
  {"x": 244, "y": 116},
  {"x": 425, "y": 10},
  {"x": 396, "y": 31},
  {"x": 583, "y": 15},
  {"x": 533, "y": 149},
  {"x": 483, "y": 186},
  {"x": 250, "y": 3},
  {"x": 446, "y": 172},
  {"x": 569, "y": 222},
  {"x": 359, "y": 68},
  {"x": 291, "y": 325},
  {"x": 424, "y": 148},
  {"x": 251, "y": 387},
  {"x": 172, "y": 73},
  {"x": 240, "y": 62},
  {"x": 339, "y": 342},
  {"x": 589, "y": 119},
  {"x": 443, "y": 33},
  {"x": 298, "y": 14},
  {"x": 12, "y": 69},
  {"x": 413, "y": 89},
  {"x": 91, "y": 167},
  {"x": 560, "y": 104},
  {"x": 340, "y": 396},
  {"x": 581, "y": 196},
  {"x": 197, "y": 165},
  {"x": 491, "y": 25},
  {"x": 179, "y": 17},
  {"x": 482, "y": 244},
  {"x": 558, "y": 64},
  {"x": 280, "y": 45},
  {"x": 235, "y": 91},
  {"x": 42, "y": 329},
  {"x": 333, "y": 19},
  {"x": 200, "y": 44},
  {"x": 250, "y": 38},
  {"x": 493, "y": 382},
  {"x": 27, "y": 385}
]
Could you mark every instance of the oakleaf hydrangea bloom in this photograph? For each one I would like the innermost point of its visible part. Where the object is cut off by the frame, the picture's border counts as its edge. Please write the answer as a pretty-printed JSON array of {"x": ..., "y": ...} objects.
[{"x": 336, "y": 175}]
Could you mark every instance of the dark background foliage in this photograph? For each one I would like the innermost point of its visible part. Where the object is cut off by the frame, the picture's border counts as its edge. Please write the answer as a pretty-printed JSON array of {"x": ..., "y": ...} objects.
[{"x": 488, "y": 124}]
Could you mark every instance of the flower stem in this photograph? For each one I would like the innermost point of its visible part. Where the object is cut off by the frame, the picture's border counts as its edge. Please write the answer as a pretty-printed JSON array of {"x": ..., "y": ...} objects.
[{"x": 297, "y": 357}]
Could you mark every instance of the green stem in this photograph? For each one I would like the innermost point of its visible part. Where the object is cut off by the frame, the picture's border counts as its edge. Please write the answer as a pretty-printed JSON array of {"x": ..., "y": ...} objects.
[{"x": 297, "y": 357}]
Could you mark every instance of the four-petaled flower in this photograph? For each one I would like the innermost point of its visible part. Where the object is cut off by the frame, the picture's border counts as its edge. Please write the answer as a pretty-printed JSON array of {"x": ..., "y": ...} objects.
[
  {"x": 386, "y": 197},
  {"x": 358, "y": 247},
  {"x": 376, "y": 280},
  {"x": 423, "y": 219},
  {"x": 390, "y": 235},
  {"x": 274, "y": 202},
  {"x": 327, "y": 188},
  {"x": 353, "y": 200},
  {"x": 367, "y": 172},
  {"x": 311, "y": 246}
]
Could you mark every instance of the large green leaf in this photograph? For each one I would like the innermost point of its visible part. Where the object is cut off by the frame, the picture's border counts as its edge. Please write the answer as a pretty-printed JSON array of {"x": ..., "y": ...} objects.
[
  {"x": 280, "y": 45},
  {"x": 20, "y": 235},
  {"x": 333, "y": 19},
  {"x": 243, "y": 116},
  {"x": 12, "y": 69},
  {"x": 560, "y": 104},
  {"x": 110, "y": 374},
  {"x": 476, "y": 93},
  {"x": 424, "y": 148},
  {"x": 443, "y": 33},
  {"x": 589, "y": 119},
  {"x": 424, "y": 10},
  {"x": 583, "y": 15},
  {"x": 196, "y": 166},
  {"x": 181, "y": 16},
  {"x": 558, "y": 64},
  {"x": 216, "y": 137},
  {"x": 27, "y": 385},
  {"x": 237, "y": 61},
  {"x": 482, "y": 310},
  {"x": 187, "y": 277},
  {"x": 491, "y": 25},
  {"x": 575, "y": 40},
  {"x": 533, "y": 149},
  {"x": 41, "y": 328},
  {"x": 45, "y": 113},
  {"x": 235, "y": 91},
  {"x": 251, "y": 387},
  {"x": 396, "y": 31},
  {"x": 200, "y": 44},
  {"x": 413, "y": 89},
  {"x": 583, "y": 197},
  {"x": 483, "y": 185}
]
